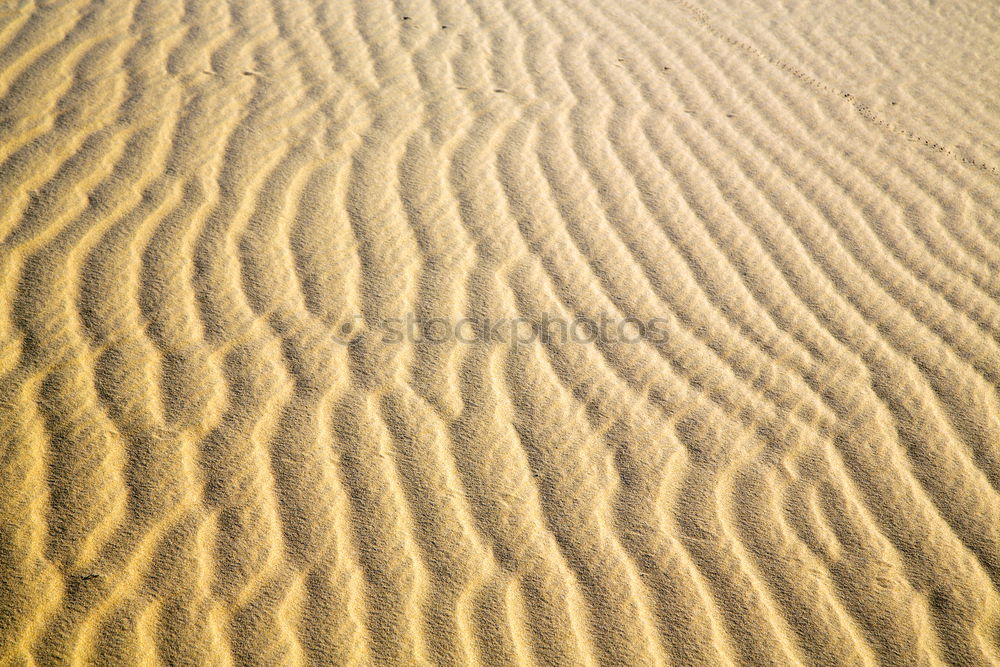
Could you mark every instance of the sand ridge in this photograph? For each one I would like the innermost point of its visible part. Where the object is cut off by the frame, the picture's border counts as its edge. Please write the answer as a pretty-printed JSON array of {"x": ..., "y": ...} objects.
[{"x": 210, "y": 455}]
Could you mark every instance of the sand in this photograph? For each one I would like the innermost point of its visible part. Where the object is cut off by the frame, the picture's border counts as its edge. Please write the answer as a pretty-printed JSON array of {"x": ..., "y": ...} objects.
[{"x": 214, "y": 453}]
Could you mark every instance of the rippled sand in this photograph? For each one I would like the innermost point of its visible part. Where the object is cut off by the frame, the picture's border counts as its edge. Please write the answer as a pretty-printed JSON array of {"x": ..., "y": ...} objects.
[{"x": 211, "y": 455}]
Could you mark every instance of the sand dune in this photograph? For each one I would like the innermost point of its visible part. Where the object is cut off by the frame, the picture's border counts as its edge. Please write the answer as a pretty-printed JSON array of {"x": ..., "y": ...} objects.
[{"x": 211, "y": 214}]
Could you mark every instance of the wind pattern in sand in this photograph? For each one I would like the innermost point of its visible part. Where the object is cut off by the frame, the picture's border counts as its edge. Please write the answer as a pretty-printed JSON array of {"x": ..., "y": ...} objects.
[{"x": 196, "y": 196}]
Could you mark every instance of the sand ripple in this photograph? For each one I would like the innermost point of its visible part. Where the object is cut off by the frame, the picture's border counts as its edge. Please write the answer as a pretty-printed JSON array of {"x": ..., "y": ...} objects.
[{"x": 210, "y": 456}]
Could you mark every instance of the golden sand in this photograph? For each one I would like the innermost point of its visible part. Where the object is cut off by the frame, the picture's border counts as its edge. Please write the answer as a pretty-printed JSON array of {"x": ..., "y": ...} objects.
[{"x": 212, "y": 455}]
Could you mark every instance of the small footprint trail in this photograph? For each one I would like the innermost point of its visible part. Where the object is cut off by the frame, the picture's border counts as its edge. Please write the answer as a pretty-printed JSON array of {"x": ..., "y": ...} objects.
[{"x": 863, "y": 109}]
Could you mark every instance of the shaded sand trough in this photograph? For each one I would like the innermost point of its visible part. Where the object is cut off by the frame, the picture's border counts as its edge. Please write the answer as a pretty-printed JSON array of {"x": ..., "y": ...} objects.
[{"x": 196, "y": 198}]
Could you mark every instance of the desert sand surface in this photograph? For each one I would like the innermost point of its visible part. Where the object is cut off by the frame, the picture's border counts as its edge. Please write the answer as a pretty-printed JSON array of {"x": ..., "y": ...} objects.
[{"x": 213, "y": 453}]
